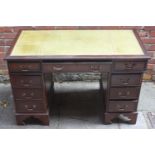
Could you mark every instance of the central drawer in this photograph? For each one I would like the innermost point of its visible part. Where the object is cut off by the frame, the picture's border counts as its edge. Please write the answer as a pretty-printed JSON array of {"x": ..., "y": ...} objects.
[
  {"x": 28, "y": 94},
  {"x": 124, "y": 93},
  {"x": 76, "y": 67}
]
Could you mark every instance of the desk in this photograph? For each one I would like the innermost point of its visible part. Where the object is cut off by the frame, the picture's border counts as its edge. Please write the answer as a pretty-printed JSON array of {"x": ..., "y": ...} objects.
[{"x": 37, "y": 54}]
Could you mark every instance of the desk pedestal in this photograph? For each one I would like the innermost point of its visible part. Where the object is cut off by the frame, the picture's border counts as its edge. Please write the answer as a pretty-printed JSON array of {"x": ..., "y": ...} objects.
[{"x": 120, "y": 94}]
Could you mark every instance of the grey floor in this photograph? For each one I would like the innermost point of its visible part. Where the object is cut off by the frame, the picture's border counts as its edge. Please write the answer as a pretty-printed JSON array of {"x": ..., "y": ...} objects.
[{"x": 76, "y": 106}]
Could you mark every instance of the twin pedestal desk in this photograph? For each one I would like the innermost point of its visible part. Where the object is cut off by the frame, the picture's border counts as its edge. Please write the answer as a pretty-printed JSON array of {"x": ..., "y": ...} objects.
[{"x": 37, "y": 54}]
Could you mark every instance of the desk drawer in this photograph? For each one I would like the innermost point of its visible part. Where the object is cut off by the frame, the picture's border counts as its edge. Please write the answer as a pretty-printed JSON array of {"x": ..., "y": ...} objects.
[
  {"x": 26, "y": 81},
  {"x": 24, "y": 67},
  {"x": 76, "y": 67},
  {"x": 30, "y": 106},
  {"x": 128, "y": 66},
  {"x": 122, "y": 106},
  {"x": 124, "y": 93},
  {"x": 28, "y": 94},
  {"x": 126, "y": 80}
]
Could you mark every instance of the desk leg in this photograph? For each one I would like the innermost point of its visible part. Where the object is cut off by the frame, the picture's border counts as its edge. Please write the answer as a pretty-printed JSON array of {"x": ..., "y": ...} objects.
[{"x": 23, "y": 119}]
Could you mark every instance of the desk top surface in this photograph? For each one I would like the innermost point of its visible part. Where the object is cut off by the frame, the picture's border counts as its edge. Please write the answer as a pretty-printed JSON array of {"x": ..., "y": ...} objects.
[{"x": 76, "y": 42}]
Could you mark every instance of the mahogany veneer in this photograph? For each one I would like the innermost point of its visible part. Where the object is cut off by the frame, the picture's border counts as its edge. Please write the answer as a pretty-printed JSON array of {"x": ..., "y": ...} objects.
[{"x": 37, "y": 54}]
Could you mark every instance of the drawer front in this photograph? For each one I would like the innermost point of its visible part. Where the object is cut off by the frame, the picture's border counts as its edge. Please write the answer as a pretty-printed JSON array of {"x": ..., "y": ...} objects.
[
  {"x": 124, "y": 93},
  {"x": 126, "y": 80},
  {"x": 76, "y": 67},
  {"x": 30, "y": 106},
  {"x": 24, "y": 67},
  {"x": 122, "y": 106},
  {"x": 24, "y": 81},
  {"x": 28, "y": 94},
  {"x": 128, "y": 66}
]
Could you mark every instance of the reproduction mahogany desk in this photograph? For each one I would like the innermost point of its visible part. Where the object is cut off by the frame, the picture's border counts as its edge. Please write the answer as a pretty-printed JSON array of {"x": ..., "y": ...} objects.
[{"x": 36, "y": 54}]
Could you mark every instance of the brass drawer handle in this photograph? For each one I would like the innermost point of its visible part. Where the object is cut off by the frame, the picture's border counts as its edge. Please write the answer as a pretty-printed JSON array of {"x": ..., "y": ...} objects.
[
  {"x": 32, "y": 94},
  {"x": 24, "y": 70},
  {"x": 129, "y": 66},
  {"x": 30, "y": 109},
  {"x": 94, "y": 68},
  {"x": 125, "y": 95},
  {"x": 27, "y": 97},
  {"x": 30, "y": 97},
  {"x": 57, "y": 68},
  {"x": 121, "y": 95},
  {"x": 23, "y": 94},
  {"x": 121, "y": 109},
  {"x": 34, "y": 106},
  {"x": 125, "y": 81},
  {"x": 26, "y": 85}
]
